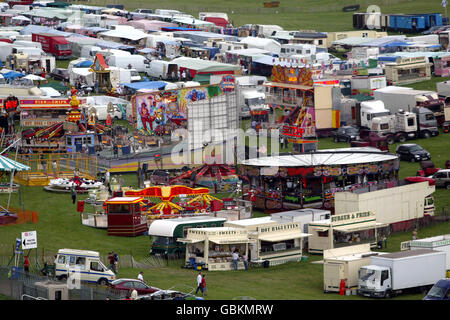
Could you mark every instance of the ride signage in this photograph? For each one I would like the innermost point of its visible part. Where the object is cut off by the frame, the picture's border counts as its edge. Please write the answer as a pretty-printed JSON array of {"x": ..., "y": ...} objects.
[
  {"x": 292, "y": 131},
  {"x": 29, "y": 240}
]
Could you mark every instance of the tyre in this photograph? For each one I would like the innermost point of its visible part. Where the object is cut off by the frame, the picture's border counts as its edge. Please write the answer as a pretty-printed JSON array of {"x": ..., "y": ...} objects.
[
  {"x": 103, "y": 282},
  {"x": 336, "y": 139},
  {"x": 426, "y": 134},
  {"x": 412, "y": 159},
  {"x": 447, "y": 186},
  {"x": 387, "y": 295},
  {"x": 402, "y": 138},
  {"x": 390, "y": 140}
]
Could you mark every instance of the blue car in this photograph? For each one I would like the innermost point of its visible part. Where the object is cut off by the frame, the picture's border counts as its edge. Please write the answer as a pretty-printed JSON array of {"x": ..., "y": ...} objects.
[{"x": 440, "y": 291}]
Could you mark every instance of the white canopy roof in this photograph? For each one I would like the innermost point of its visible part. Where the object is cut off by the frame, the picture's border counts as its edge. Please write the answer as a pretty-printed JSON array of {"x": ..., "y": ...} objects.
[{"x": 342, "y": 156}]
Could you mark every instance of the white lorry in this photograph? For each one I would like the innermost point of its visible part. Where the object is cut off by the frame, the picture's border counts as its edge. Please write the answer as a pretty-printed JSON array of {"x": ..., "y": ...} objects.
[
  {"x": 369, "y": 110},
  {"x": 134, "y": 61},
  {"x": 161, "y": 69},
  {"x": 393, "y": 273},
  {"x": 437, "y": 243}
]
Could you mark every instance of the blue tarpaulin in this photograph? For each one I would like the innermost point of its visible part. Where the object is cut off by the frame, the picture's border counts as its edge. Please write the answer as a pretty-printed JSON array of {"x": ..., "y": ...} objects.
[
  {"x": 159, "y": 85},
  {"x": 112, "y": 45},
  {"x": 388, "y": 58},
  {"x": 397, "y": 44},
  {"x": 12, "y": 75},
  {"x": 84, "y": 64}
]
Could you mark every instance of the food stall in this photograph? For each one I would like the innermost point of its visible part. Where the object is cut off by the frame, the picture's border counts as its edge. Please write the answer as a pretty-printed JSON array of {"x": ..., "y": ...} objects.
[
  {"x": 211, "y": 248},
  {"x": 408, "y": 70},
  {"x": 274, "y": 241},
  {"x": 343, "y": 230},
  {"x": 43, "y": 112}
]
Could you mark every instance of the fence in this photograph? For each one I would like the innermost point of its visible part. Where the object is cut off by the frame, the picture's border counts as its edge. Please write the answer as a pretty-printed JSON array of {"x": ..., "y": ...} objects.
[
  {"x": 45, "y": 166},
  {"x": 23, "y": 216}
]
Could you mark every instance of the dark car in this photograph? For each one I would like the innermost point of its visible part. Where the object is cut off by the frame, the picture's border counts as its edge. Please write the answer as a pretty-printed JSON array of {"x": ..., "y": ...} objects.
[
  {"x": 412, "y": 152},
  {"x": 169, "y": 295},
  {"x": 60, "y": 74},
  {"x": 346, "y": 134},
  {"x": 446, "y": 127},
  {"x": 130, "y": 284},
  {"x": 440, "y": 291}
]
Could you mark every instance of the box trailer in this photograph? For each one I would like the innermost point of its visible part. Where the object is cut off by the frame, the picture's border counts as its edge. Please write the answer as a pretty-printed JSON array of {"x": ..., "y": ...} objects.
[
  {"x": 438, "y": 243},
  {"x": 343, "y": 264},
  {"x": 53, "y": 44},
  {"x": 396, "y": 272}
]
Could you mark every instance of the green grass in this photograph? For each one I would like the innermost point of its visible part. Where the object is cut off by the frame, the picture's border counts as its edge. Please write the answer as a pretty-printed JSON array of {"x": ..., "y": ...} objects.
[{"x": 321, "y": 15}]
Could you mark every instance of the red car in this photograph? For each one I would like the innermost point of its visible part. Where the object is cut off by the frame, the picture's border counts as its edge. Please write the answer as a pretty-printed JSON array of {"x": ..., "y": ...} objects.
[{"x": 130, "y": 284}]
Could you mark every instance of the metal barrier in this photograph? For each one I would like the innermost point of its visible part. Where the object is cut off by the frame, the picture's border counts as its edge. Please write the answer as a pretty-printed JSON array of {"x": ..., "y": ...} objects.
[{"x": 31, "y": 297}]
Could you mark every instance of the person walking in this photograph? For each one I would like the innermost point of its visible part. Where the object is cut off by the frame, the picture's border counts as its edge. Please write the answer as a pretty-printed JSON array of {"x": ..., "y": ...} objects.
[
  {"x": 281, "y": 142},
  {"x": 73, "y": 193},
  {"x": 203, "y": 285},
  {"x": 235, "y": 257},
  {"x": 26, "y": 264},
  {"x": 199, "y": 282},
  {"x": 111, "y": 262}
]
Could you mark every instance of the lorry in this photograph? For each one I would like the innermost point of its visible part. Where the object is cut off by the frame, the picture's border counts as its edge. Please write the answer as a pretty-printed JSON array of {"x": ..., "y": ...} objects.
[
  {"x": 396, "y": 98},
  {"x": 437, "y": 243},
  {"x": 53, "y": 44},
  {"x": 364, "y": 112},
  {"x": 166, "y": 232},
  {"x": 138, "y": 62},
  {"x": 406, "y": 125},
  {"x": 394, "y": 273}
]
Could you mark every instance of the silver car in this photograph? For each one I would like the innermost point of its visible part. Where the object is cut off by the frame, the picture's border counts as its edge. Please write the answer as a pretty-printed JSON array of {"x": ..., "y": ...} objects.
[{"x": 442, "y": 178}]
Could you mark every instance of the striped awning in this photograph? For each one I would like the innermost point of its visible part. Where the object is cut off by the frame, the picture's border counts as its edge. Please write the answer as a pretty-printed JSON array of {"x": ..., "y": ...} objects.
[{"x": 7, "y": 164}]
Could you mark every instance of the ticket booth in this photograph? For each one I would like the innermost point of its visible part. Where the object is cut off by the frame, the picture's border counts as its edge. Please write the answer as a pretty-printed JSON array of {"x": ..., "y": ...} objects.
[
  {"x": 211, "y": 248},
  {"x": 124, "y": 217},
  {"x": 343, "y": 230}
]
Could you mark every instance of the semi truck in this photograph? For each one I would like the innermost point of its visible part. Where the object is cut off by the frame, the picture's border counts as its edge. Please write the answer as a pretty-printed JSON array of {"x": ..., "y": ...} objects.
[
  {"x": 406, "y": 125},
  {"x": 53, "y": 44},
  {"x": 397, "y": 272}
]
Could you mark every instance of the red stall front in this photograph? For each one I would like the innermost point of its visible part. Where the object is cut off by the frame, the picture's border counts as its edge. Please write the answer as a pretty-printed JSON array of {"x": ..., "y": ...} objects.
[{"x": 124, "y": 217}]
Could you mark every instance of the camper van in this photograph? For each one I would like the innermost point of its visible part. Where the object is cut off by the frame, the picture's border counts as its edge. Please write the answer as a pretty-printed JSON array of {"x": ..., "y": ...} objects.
[
  {"x": 83, "y": 262},
  {"x": 161, "y": 69},
  {"x": 288, "y": 50}
]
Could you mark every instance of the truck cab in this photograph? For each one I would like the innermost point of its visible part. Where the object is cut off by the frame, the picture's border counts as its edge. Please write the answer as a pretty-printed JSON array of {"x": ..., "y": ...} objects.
[
  {"x": 427, "y": 122},
  {"x": 370, "y": 110},
  {"x": 374, "y": 281}
]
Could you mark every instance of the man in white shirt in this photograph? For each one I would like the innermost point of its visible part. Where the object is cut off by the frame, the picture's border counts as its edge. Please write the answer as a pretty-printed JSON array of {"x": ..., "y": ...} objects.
[
  {"x": 141, "y": 276},
  {"x": 199, "y": 282},
  {"x": 235, "y": 257}
]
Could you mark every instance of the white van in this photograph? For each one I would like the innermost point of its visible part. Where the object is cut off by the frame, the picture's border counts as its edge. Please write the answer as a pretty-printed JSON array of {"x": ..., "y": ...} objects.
[
  {"x": 161, "y": 69},
  {"x": 86, "y": 263},
  {"x": 138, "y": 62}
]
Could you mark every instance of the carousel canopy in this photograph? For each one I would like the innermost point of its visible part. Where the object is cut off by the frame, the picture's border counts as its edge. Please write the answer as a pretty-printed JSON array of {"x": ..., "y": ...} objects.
[
  {"x": 7, "y": 164},
  {"x": 344, "y": 156}
]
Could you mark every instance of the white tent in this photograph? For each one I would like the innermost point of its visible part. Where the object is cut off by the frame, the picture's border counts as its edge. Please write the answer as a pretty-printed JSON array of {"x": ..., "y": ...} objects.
[
  {"x": 21, "y": 18},
  {"x": 263, "y": 43}
]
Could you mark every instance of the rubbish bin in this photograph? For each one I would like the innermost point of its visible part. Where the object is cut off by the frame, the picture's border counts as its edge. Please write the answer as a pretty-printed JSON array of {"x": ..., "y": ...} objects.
[{"x": 266, "y": 263}]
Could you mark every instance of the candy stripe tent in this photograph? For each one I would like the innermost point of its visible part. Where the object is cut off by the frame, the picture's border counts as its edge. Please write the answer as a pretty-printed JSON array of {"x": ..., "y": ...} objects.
[{"x": 7, "y": 164}]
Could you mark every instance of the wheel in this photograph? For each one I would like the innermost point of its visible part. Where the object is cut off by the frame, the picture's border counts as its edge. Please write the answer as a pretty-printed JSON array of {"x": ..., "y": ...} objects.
[
  {"x": 412, "y": 159},
  {"x": 387, "y": 295},
  {"x": 402, "y": 139},
  {"x": 447, "y": 186},
  {"x": 336, "y": 139},
  {"x": 103, "y": 282},
  {"x": 426, "y": 135},
  {"x": 390, "y": 140}
]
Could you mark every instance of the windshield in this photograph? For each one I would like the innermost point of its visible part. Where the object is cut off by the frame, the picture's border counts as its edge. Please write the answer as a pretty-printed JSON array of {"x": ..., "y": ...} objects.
[
  {"x": 63, "y": 47},
  {"x": 437, "y": 292},
  {"x": 365, "y": 274},
  {"x": 162, "y": 240},
  {"x": 415, "y": 148},
  {"x": 254, "y": 101}
]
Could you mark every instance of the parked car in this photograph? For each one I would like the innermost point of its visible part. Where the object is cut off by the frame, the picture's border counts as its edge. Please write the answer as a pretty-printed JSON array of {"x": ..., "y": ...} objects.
[
  {"x": 60, "y": 74},
  {"x": 346, "y": 134},
  {"x": 446, "y": 127},
  {"x": 160, "y": 177},
  {"x": 412, "y": 152},
  {"x": 440, "y": 291},
  {"x": 168, "y": 295},
  {"x": 442, "y": 178},
  {"x": 130, "y": 284}
]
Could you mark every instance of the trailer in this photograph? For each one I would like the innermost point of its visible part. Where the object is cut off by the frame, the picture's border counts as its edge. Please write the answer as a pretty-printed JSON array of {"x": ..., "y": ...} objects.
[
  {"x": 394, "y": 273},
  {"x": 343, "y": 264},
  {"x": 53, "y": 44},
  {"x": 438, "y": 243}
]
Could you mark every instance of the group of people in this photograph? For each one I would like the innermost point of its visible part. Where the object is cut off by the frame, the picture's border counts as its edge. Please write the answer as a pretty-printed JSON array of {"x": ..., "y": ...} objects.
[{"x": 201, "y": 283}]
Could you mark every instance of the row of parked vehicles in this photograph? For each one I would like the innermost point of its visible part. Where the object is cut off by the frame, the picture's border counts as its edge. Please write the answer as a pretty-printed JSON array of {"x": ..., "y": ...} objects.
[{"x": 86, "y": 266}]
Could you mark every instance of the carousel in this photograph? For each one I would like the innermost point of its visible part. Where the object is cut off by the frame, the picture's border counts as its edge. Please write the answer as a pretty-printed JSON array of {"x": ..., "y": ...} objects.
[{"x": 287, "y": 182}]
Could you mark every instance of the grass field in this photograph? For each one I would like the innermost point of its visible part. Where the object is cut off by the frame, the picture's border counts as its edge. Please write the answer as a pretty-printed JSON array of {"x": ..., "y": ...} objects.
[{"x": 320, "y": 15}]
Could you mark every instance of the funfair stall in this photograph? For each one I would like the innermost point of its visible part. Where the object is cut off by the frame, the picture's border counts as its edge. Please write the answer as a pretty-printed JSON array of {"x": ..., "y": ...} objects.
[
  {"x": 211, "y": 248},
  {"x": 285, "y": 182}
]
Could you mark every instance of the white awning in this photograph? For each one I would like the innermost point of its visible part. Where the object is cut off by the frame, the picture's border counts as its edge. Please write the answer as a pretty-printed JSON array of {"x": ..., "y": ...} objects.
[
  {"x": 283, "y": 236},
  {"x": 187, "y": 240},
  {"x": 234, "y": 241},
  {"x": 356, "y": 227}
]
